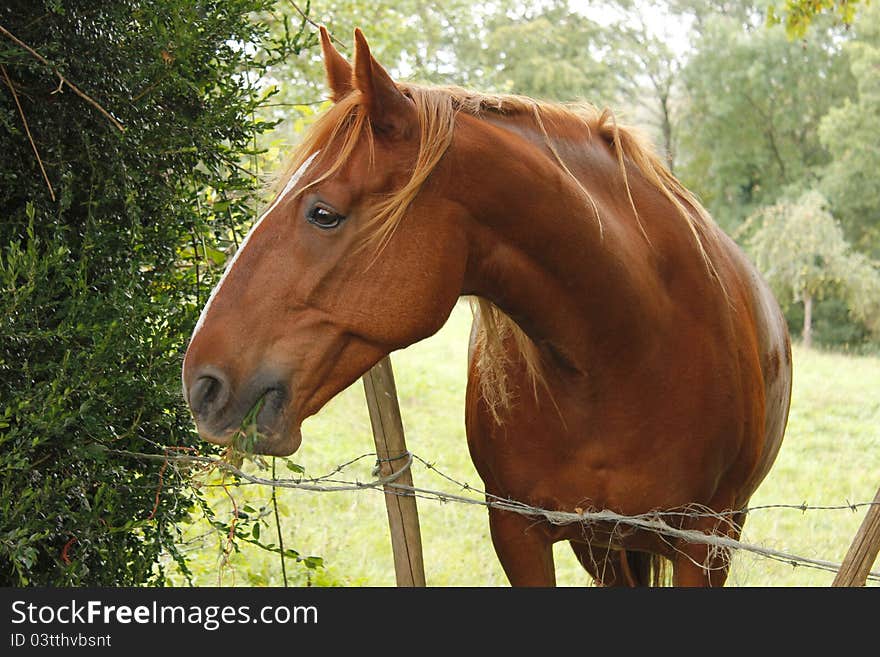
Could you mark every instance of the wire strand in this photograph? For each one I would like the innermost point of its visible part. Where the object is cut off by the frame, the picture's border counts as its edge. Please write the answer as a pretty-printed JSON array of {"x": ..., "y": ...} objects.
[{"x": 653, "y": 521}]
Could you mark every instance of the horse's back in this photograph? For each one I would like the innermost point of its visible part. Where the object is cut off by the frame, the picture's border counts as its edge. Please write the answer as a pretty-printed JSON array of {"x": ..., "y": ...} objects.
[{"x": 764, "y": 317}]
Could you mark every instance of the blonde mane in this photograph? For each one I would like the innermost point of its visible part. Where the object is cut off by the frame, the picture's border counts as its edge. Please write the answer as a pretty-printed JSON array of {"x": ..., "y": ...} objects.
[{"x": 437, "y": 107}]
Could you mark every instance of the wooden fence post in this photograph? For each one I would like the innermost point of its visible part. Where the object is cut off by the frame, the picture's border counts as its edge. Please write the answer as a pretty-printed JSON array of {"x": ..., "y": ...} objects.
[
  {"x": 403, "y": 515},
  {"x": 863, "y": 550}
]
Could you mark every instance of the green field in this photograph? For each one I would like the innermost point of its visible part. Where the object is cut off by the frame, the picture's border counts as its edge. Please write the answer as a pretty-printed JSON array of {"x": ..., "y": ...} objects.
[{"x": 831, "y": 455}]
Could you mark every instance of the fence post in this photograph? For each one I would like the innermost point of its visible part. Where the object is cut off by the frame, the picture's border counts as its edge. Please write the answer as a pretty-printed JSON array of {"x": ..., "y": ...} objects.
[
  {"x": 863, "y": 551},
  {"x": 403, "y": 515}
]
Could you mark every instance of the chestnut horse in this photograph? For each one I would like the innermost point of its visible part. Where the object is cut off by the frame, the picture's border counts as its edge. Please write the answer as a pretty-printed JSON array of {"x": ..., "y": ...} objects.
[{"x": 625, "y": 354}]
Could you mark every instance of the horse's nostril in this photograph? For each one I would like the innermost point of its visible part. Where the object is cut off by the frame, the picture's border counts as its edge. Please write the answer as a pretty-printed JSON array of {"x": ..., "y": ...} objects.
[
  {"x": 272, "y": 405},
  {"x": 207, "y": 393}
]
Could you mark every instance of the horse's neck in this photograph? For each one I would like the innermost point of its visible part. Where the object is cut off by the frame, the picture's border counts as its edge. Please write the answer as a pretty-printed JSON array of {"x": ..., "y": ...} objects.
[{"x": 573, "y": 281}]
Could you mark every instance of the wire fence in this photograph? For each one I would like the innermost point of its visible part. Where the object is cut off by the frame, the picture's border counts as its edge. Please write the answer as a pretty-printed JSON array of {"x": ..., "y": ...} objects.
[{"x": 666, "y": 523}]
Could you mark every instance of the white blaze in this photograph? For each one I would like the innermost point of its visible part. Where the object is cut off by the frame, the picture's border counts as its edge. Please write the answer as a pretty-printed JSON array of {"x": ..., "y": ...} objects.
[{"x": 291, "y": 183}]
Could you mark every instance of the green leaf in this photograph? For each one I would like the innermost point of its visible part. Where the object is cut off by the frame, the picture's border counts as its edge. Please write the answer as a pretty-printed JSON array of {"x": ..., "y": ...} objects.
[
  {"x": 314, "y": 562},
  {"x": 216, "y": 256},
  {"x": 294, "y": 467}
]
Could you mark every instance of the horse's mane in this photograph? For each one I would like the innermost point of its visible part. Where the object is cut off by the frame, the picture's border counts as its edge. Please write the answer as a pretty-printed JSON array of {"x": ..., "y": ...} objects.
[{"x": 437, "y": 106}]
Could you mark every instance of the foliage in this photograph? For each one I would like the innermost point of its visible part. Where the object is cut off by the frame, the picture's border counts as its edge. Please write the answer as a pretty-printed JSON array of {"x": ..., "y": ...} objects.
[
  {"x": 504, "y": 46},
  {"x": 753, "y": 127},
  {"x": 801, "y": 250},
  {"x": 102, "y": 277},
  {"x": 416, "y": 39},
  {"x": 798, "y": 15},
  {"x": 833, "y": 326},
  {"x": 703, "y": 12},
  {"x": 412, "y": 39},
  {"x": 648, "y": 69},
  {"x": 235, "y": 538},
  {"x": 849, "y": 131},
  {"x": 544, "y": 51}
]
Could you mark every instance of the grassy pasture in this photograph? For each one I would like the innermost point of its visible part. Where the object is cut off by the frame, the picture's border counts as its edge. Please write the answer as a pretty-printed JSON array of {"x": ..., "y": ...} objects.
[{"x": 831, "y": 454}]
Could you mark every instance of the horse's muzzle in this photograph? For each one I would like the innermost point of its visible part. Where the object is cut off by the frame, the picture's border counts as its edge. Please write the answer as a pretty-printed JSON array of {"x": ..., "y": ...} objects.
[{"x": 253, "y": 416}]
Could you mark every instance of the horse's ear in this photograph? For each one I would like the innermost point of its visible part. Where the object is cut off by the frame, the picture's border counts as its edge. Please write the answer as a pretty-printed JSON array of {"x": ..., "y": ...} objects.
[
  {"x": 337, "y": 68},
  {"x": 390, "y": 111}
]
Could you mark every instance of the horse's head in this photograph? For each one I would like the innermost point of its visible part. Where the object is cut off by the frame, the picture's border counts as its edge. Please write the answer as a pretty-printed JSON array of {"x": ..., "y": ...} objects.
[{"x": 357, "y": 256}]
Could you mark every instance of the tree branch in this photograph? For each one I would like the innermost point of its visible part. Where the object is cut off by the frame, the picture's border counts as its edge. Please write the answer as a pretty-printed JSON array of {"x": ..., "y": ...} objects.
[
  {"x": 28, "y": 131},
  {"x": 769, "y": 132},
  {"x": 314, "y": 24},
  {"x": 61, "y": 79}
]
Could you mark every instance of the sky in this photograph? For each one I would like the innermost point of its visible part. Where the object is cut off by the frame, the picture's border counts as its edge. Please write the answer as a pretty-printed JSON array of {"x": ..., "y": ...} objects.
[{"x": 674, "y": 30}]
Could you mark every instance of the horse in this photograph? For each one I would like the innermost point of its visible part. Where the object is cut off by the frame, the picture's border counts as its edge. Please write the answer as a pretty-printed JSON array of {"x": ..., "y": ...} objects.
[{"x": 625, "y": 354}]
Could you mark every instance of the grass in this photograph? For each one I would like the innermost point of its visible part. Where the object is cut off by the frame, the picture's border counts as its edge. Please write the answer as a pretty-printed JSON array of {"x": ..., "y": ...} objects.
[{"x": 831, "y": 454}]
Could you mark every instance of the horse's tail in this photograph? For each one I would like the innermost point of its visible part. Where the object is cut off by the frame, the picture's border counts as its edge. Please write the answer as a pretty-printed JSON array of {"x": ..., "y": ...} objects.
[{"x": 648, "y": 569}]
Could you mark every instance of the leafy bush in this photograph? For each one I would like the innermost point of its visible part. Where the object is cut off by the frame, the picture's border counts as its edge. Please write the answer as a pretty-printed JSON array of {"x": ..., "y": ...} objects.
[
  {"x": 103, "y": 275},
  {"x": 833, "y": 325}
]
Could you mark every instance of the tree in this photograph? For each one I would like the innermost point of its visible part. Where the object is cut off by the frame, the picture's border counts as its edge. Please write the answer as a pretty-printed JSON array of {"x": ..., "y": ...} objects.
[
  {"x": 755, "y": 100},
  {"x": 544, "y": 50},
  {"x": 704, "y": 12},
  {"x": 414, "y": 40},
  {"x": 801, "y": 250},
  {"x": 649, "y": 71},
  {"x": 798, "y": 15},
  {"x": 849, "y": 131},
  {"x": 124, "y": 128}
]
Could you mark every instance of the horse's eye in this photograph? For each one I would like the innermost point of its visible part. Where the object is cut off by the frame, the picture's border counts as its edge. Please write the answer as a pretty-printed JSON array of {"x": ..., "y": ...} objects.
[{"x": 323, "y": 217}]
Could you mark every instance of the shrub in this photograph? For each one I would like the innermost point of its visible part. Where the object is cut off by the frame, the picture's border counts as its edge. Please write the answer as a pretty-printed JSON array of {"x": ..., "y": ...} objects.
[{"x": 103, "y": 274}]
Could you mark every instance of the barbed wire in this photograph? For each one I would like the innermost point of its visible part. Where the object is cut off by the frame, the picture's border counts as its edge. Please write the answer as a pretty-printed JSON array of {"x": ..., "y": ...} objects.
[{"x": 654, "y": 521}]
